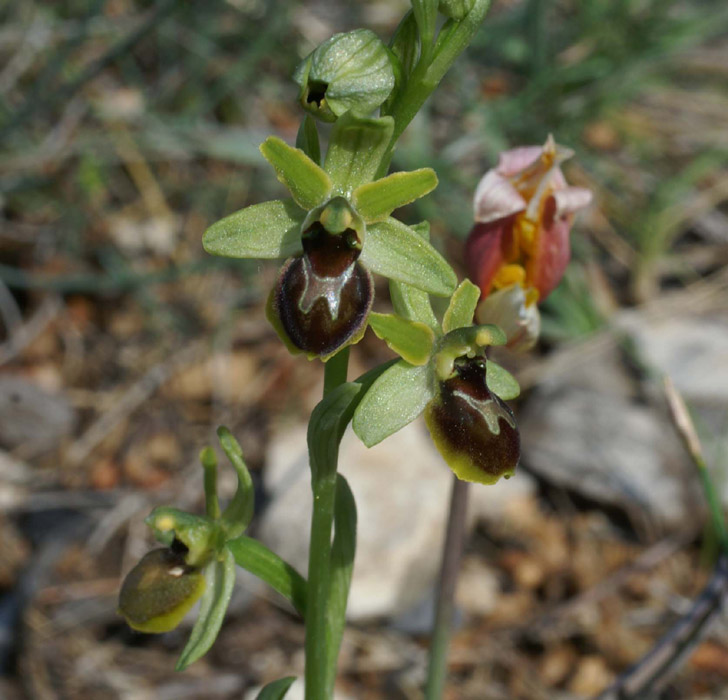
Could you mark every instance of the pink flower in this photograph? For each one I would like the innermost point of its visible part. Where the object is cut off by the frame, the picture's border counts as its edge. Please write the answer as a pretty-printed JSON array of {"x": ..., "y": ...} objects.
[{"x": 523, "y": 212}]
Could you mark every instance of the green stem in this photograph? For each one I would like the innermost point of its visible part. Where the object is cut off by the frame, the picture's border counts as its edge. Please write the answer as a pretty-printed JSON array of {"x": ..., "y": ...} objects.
[
  {"x": 336, "y": 370},
  {"x": 319, "y": 656},
  {"x": 451, "y": 556},
  {"x": 430, "y": 69},
  {"x": 714, "y": 504}
]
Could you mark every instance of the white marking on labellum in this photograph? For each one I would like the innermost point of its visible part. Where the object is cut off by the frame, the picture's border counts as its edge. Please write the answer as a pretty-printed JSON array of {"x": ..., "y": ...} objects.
[{"x": 328, "y": 288}]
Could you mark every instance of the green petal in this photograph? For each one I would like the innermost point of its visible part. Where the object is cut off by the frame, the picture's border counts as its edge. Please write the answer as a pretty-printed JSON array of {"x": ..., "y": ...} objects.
[
  {"x": 411, "y": 340},
  {"x": 307, "y": 182},
  {"x": 377, "y": 200},
  {"x": 396, "y": 251},
  {"x": 220, "y": 579},
  {"x": 356, "y": 148},
  {"x": 237, "y": 516},
  {"x": 410, "y": 302},
  {"x": 395, "y": 399},
  {"x": 268, "y": 230},
  {"x": 462, "y": 305},
  {"x": 501, "y": 382}
]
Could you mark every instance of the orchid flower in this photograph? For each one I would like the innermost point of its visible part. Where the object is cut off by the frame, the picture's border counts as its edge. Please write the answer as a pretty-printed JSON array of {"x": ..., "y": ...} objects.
[{"x": 519, "y": 246}]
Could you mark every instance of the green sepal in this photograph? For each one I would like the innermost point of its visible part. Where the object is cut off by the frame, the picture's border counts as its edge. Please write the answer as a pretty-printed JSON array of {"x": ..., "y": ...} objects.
[
  {"x": 343, "y": 550},
  {"x": 307, "y": 139},
  {"x": 376, "y": 200},
  {"x": 276, "y": 690},
  {"x": 219, "y": 579},
  {"x": 260, "y": 561},
  {"x": 394, "y": 250},
  {"x": 411, "y": 340},
  {"x": 410, "y": 302},
  {"x": 462, "y": 305},
  {"x": 356, "y": 148},
  {"x": 307, "y": 182},
  {"x": 501, "y": 382},
  {"x": 393, "y": 401},
  {"x": 237, "y": 516},
  {"x": 268, "y": 230},
  {"x": 198, "y": 533}
]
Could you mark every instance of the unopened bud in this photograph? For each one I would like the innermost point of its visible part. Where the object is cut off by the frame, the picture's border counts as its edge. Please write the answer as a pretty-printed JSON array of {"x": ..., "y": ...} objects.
[{"x": 351, "y": 71}]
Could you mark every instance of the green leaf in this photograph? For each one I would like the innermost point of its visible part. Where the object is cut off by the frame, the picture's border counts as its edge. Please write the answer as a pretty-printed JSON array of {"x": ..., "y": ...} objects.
[
  {"x": 411, "y": 340},
  {"x": 307, "y": 182},
  {"x": 237, "y": 516},
  {"x": 220, "y": 579},
  {"x": 462, "y": 305},
  {"x": 396, "y": 251},
  {"x": 260, "y": 561},
  {"x": 276, "y": 690},
  {"x": 343, "y": 550},
  {"x": 377, "y": 200},
  {"x": 356, "y": 148},
  {"x": 394, "y": 400},
  {"x": 268, "y": 230},
  {"x": 308, "y": 140},
  {"x": 501, "y": 382}
]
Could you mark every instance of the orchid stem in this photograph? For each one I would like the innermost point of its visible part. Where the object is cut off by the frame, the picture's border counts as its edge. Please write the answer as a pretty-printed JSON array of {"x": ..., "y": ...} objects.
[
  {"x": 319, "y": 655},
  {"x": 451, "y": 556}
]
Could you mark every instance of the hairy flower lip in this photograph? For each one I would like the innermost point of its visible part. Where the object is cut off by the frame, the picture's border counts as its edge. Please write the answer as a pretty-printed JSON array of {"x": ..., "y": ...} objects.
[
  {"x": 473, "y": 429},
  {"x": 320, "y": 315}
]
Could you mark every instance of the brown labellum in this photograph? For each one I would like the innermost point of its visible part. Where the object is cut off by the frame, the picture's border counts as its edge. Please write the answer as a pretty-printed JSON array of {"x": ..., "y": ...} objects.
[
  {"x": 159, "y": 591},
  {"x": 323, "y": 297},
  {"x": 473, "y": 429}
]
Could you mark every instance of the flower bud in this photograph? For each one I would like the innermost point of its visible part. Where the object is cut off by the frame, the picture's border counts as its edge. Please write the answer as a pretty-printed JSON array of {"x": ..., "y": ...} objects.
[
  {"x": 472, "y": 428},
  {"x": 456, "y": 9},
  {"x": 159, "y": 591},
  {"x": 351, "y": 71},
  {"x": 514, "y": 310}
]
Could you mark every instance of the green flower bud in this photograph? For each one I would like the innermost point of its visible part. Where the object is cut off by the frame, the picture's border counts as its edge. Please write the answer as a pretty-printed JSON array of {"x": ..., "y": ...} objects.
[
  {"x": 159, "y": 591},
  {"x": 456, "y": 9},
  {"x": 351, "y": 71},
  {"x": 472, "y": 428}
]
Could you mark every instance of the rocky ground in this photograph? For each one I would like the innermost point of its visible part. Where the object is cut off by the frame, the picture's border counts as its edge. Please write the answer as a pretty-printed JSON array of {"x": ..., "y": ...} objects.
[{"x": 127, "y": 127}]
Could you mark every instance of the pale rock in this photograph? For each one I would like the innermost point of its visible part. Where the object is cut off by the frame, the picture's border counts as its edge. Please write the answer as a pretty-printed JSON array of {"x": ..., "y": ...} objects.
[
  {"x": 295, "y": 692},
  {"x": 32, "y": 417},
  {"x": 693, "y": 350},
  {"x": 402, "y": 490}
]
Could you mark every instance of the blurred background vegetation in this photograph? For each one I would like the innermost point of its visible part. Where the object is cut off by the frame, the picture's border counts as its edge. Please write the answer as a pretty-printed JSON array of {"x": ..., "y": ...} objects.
[{"x": 128, "y": 126}]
